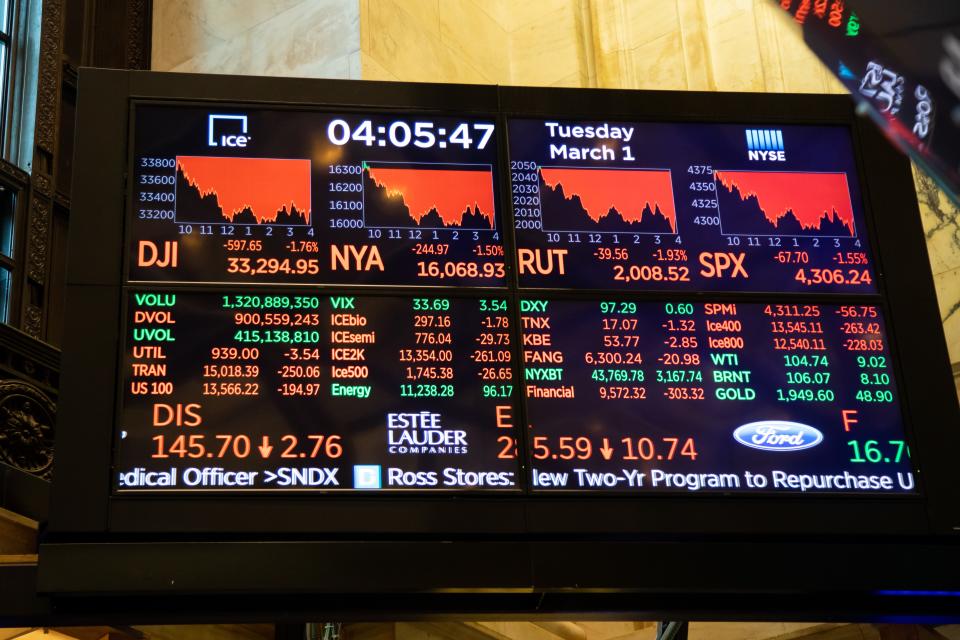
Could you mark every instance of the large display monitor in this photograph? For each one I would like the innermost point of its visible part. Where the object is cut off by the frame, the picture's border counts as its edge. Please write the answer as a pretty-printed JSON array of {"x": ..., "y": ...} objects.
[{"x": 509, "y": 321}]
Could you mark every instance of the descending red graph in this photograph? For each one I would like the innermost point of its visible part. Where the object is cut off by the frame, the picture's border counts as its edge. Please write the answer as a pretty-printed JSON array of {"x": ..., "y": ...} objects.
[
  {"x": 428, "y": 196},
  {"x": 243, "y": 190},
  {"x": 611, "y": 199},
  {"x": 783, "y": 202}
]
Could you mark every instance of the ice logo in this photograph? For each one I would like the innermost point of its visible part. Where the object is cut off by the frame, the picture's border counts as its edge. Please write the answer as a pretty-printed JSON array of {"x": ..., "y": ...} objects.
[
  {"x": 777, "y": 435},
  {"x": 216, "y": 138}
]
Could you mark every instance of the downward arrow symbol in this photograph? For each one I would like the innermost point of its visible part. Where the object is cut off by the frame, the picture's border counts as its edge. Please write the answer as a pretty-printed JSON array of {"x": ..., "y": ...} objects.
[
  {"x": 606, "y": 450},
  {"x": 266, "y": 447}
]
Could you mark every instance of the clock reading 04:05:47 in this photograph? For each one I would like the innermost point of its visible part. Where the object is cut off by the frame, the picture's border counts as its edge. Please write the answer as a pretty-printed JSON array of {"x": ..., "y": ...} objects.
[{"x": 423, "y": 134}]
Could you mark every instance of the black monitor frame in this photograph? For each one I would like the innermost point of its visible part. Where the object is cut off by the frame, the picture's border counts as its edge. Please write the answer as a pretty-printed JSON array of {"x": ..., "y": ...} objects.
[{"x": 516, "y": 543}]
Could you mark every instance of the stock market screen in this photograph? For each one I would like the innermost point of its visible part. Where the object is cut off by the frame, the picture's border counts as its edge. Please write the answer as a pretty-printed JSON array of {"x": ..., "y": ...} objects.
[
  {"x": 627, "y": 396},
  {"x": 687, "y": 207},
  {"x": 285, "y": 196},
  {"x": 295, "y": 389},
  {"x": 326, "y": 301}
]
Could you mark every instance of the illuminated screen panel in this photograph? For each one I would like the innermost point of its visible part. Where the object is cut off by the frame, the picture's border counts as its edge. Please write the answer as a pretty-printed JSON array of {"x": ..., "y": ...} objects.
[
  {"x": 715, "y": 207},
  {"x": 268, "y": 196},
  {"x": 627, "y": 396},
  {"x": 245, "y": 391}
]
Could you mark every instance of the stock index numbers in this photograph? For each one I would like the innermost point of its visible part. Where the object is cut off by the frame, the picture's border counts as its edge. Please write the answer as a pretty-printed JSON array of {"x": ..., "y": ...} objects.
[
  {"x": 233, "y": 390},
  {"x": 626, "y": 395},
  {"x": 491, "y": 379},
  {"x": 687, "y": 207},
  {"x": 285, "y": 196}
]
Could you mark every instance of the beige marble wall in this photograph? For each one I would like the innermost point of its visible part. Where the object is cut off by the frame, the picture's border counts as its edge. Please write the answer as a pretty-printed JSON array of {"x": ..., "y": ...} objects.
[
  {"x": 302, "y": 38},
  {"x": 709, "y": 45},
  {"x": 541, "y": 42},
  {"x": 726, "y": 45},
  {"x": 941, "y": 222}
]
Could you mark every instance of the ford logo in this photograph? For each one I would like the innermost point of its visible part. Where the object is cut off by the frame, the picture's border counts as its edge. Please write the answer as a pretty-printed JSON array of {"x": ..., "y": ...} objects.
[{"x": 778, "y": 435}]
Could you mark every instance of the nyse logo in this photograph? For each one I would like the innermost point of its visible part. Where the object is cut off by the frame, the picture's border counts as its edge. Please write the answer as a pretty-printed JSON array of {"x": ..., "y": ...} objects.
[
  {"x": 765, "y": 144},
  {"x": 227, "y": 131}
]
